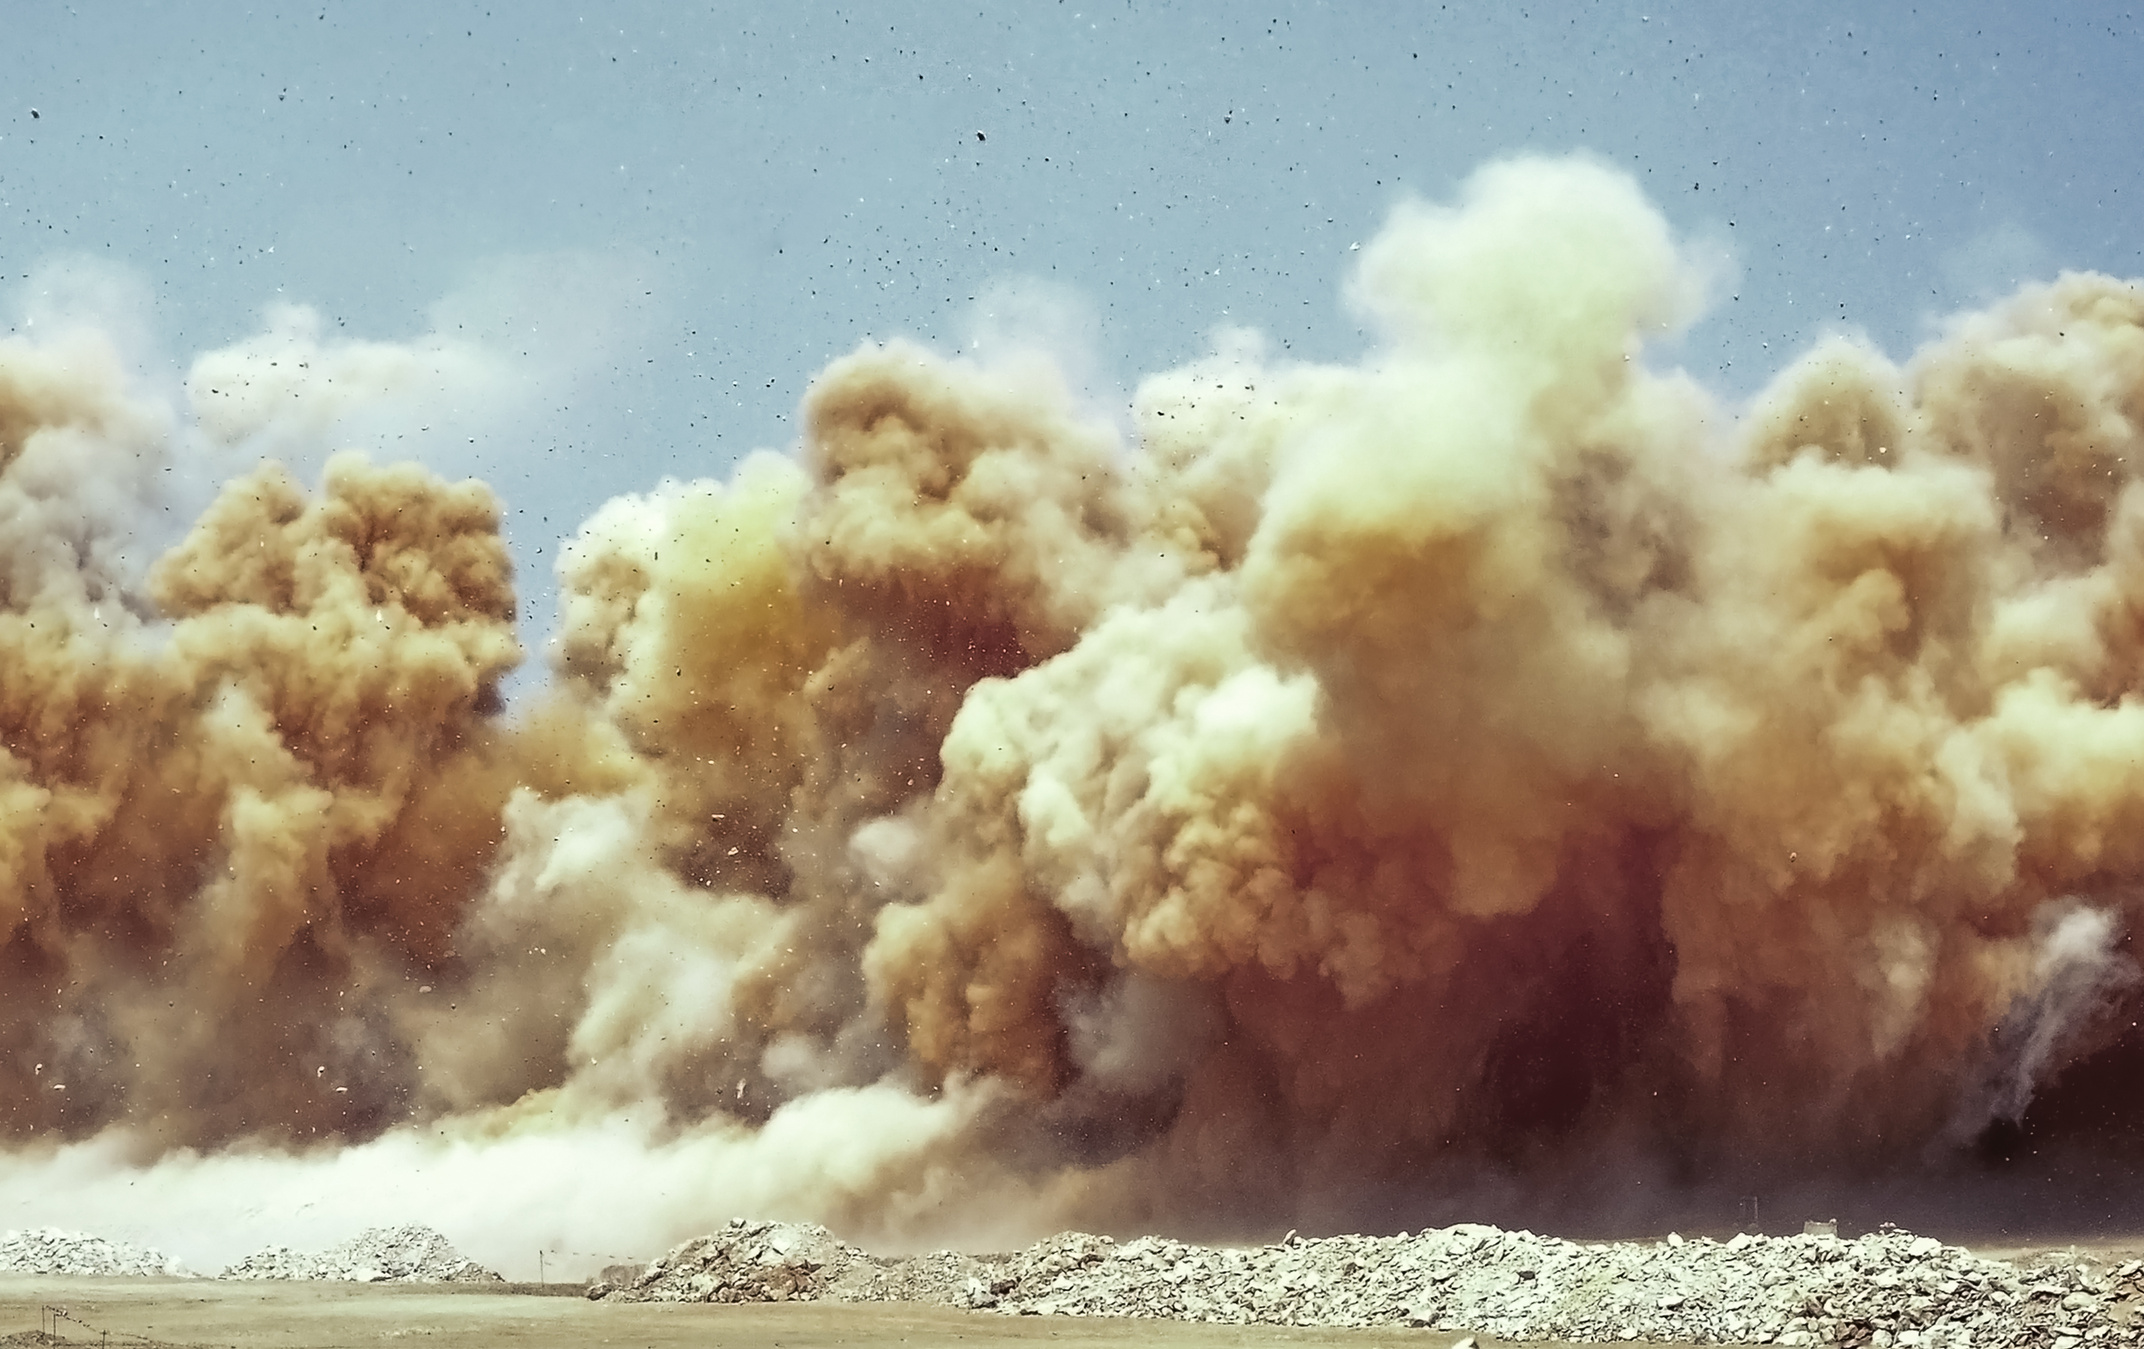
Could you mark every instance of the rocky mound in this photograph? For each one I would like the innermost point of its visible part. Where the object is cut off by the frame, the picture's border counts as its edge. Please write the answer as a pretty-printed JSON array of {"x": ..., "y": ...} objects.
[
  {"x": 1883, "y": 1289},
  {"x": 1889, "y": 1288},
  {"x": 744, "y": 1262},
  {"x": 951, "y": 1278},
  {"x": 406, "y": 1254},
  {"x": 49, "y": 1250}
]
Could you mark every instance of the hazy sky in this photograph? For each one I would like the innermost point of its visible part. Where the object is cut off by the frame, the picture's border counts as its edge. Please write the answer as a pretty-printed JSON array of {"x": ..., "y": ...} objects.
[{"x": 621, "y": 238}]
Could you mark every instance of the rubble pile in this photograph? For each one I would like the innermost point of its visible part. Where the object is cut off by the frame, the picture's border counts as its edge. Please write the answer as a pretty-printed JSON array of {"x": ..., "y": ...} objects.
[
  {"x": 406, "y": 1254},
  {"x": 1886, "y": 1289},
  {"x": 744, "y": 1262},
  {"x": 48, "y": 1250},
  {"x": 952, "y": 1278}
]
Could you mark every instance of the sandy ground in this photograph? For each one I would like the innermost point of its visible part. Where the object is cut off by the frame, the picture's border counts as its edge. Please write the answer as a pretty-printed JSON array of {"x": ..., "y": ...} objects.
[{"x": 358, "y": 1316}]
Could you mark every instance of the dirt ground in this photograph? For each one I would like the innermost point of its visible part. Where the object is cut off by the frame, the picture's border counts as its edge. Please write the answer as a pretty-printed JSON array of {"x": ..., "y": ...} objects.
[{"x": 200, "y": 1312}]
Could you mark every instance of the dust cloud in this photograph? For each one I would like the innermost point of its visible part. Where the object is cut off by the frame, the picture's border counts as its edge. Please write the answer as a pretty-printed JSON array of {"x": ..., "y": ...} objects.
[{"x": 1358, "y": 794}]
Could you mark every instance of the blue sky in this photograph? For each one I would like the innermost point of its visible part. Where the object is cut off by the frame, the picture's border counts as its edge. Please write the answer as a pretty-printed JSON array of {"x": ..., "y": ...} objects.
[{"x": 655, "y": 222}]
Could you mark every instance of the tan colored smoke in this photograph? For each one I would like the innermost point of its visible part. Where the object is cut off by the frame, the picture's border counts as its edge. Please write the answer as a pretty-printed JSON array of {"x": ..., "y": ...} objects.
[
  {"x": 1493, "y": 751},
  {"x": 228, "y": 824}
]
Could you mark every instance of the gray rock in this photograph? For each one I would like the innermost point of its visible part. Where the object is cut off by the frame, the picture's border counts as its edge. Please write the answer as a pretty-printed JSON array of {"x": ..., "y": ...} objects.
[
  {"x": 49, "y": 1250},
  {"x": 1887, "y": 1290},
  {"x": 405, "y": 1254},
  {"x": 745, "y": 1262}
]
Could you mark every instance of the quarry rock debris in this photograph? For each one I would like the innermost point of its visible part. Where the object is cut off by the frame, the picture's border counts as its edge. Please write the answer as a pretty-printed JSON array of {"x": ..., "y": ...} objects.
[
  {"x": 408, "y": 1253},
  {"x": 49, "y": 1250},
  {"x": 1883, "y": 1289},
  {"x": 404, "y": 1254}
]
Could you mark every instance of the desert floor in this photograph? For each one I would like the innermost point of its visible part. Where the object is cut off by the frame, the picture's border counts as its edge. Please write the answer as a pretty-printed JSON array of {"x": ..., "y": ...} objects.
[{"x": 377, "y": 1316}]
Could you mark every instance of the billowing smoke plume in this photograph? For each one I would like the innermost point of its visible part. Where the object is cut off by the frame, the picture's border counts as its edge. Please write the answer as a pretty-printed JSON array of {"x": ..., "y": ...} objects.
[{"x": 1488, "y": 758}]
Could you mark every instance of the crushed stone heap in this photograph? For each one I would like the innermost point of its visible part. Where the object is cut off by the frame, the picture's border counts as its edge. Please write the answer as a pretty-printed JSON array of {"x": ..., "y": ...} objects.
[
  {"x": 1882, "y": 1289},
  {"x": 744, "y": 1262},
  {"x": 48, "y": 1250},
  {"x": 1885, "y": 1289},
  {"x": 406, "y": 1254}
]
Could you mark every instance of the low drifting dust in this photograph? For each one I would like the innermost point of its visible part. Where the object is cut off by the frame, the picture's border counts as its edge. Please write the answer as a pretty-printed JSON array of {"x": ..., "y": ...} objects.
[{"x": 1366, "y": 788}]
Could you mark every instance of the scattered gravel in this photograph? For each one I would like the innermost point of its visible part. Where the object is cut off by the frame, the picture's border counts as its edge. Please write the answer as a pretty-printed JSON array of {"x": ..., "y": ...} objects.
[
  {"x": 48, "y": 1250},
  {"x": 1889, "y": 1288},
  {"x": 407, "y": 1254}
]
